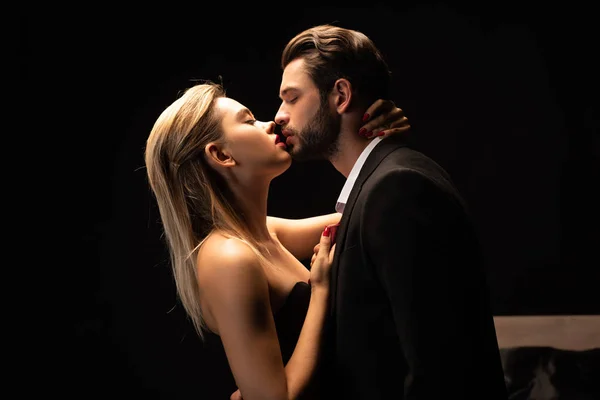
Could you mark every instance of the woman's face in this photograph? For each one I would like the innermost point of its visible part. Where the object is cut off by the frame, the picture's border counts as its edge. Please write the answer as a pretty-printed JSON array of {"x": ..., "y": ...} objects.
[{"x": 253, "y": 144}]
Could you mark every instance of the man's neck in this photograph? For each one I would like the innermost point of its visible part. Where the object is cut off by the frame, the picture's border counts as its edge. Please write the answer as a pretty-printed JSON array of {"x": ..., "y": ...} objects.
[{"x": 349, "y": 149}]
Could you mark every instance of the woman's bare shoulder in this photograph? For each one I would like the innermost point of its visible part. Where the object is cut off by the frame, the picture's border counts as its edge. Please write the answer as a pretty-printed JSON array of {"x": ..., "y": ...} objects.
[{"x": 223, "y": 260}]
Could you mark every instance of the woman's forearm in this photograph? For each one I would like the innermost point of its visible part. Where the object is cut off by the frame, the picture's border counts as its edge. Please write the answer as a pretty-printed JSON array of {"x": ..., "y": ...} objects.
[
  {"x": 299, "y": 236},
  {"x": 300, "y": 369}
]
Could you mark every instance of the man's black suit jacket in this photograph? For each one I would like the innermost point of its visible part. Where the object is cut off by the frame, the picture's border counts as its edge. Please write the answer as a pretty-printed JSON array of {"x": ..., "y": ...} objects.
[{"x": 410, "y": 314}]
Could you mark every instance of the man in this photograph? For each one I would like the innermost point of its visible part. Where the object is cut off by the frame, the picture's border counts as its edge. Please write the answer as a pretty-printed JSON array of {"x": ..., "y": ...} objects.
[{"x": 410, "y": 314}]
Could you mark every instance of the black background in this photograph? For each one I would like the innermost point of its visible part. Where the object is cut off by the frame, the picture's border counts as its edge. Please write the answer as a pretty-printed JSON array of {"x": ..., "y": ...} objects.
[{"x": 501, "y": 95}]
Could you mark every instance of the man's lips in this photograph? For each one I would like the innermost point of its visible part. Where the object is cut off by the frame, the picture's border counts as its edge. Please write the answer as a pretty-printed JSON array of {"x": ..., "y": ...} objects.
[
  {"x": 282, "y": 136},
  {"x": 280, "y": 140}
]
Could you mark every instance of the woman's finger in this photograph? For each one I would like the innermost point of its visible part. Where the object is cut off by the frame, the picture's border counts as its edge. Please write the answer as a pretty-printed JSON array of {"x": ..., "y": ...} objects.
[
  {"x": 379, "y": 107},
  {"x": 393, "y": 131}
]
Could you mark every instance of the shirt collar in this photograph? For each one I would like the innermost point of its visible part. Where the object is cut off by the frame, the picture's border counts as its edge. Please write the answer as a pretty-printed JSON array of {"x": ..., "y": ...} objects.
[{"x": 343, "y": 198}]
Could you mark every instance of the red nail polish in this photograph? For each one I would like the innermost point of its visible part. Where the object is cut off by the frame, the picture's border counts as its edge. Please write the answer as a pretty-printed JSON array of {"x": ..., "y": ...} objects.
[
  {"x": 365, "y": 117},
  {"x": 362, "y": 131},
  {"x": 332, "y": 232},
  {"x": 326, "y": 231},
  {"x": 381, "y": 133}
]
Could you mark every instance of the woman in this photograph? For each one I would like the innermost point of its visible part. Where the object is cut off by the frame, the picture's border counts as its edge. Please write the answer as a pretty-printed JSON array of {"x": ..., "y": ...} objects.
[{"x": 237, "y": 270}]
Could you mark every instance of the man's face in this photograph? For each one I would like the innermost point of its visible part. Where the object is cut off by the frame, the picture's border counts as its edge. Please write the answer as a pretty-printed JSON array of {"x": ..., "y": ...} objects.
[{"x": 311, "y": 128}]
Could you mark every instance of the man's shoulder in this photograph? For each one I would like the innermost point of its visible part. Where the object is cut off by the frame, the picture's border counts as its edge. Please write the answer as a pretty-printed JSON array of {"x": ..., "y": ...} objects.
[
  {"x": 408, "y": 159},
  {"x": 406, "y": 164}
]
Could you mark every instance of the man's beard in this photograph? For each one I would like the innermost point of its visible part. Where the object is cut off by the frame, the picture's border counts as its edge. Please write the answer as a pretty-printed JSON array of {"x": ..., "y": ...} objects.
[{"x": 319, "y": 138}]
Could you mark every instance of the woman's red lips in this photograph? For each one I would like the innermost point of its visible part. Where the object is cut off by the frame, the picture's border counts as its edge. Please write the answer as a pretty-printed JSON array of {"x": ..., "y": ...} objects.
[{"x": 279, "y": 140}]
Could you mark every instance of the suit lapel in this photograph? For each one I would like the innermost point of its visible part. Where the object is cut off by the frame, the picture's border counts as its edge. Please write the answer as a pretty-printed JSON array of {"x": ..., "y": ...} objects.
[{"x": 377, "y": 155}]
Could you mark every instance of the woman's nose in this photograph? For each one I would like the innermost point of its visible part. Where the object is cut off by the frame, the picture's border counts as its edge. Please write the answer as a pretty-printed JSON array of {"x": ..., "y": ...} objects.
[{"x": 269, "y": 126}]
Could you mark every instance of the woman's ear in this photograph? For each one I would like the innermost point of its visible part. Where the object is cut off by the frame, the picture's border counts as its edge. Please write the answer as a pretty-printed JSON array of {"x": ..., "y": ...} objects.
[
  {"x": 217, "y": 156},
  {"x": 342, "y": 95}
]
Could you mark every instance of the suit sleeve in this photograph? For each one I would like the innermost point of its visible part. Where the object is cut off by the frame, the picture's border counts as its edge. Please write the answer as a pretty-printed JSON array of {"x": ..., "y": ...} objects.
[{"x": 407, "y": 244}]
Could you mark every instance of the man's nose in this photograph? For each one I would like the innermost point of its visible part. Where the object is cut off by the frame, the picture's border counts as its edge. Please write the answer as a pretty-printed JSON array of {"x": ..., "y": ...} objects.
[{"x": 282, "y": 117}]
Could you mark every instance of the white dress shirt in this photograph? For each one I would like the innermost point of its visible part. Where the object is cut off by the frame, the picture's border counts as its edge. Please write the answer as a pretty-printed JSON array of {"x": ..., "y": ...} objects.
[{"x": 343, "y": 198}]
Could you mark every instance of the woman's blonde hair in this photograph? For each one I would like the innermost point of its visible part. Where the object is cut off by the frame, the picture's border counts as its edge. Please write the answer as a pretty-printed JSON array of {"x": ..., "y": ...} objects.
[{"x": 193, "y": 199}]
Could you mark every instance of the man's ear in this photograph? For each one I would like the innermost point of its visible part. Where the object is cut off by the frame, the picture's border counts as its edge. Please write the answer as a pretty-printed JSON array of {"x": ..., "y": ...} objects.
[
  {"x": 217, "y": 156},
  {"x": 342, "y": 95}
]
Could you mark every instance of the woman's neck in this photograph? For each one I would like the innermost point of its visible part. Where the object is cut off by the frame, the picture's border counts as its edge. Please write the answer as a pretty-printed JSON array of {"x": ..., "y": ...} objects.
[{"x": 252, "y": 199}]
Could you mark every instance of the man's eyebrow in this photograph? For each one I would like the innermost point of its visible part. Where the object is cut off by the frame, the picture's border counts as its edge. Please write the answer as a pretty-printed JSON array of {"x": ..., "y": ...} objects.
[{"x": 287, "y": 90}]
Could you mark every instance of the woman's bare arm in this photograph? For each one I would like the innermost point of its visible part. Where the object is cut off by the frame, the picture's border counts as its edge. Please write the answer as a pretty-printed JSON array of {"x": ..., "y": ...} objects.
[{"x": 300, "y": 236}]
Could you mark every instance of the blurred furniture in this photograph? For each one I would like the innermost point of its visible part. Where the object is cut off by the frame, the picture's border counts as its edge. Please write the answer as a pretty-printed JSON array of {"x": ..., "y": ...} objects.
[{"x": 550, "y": 357}]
